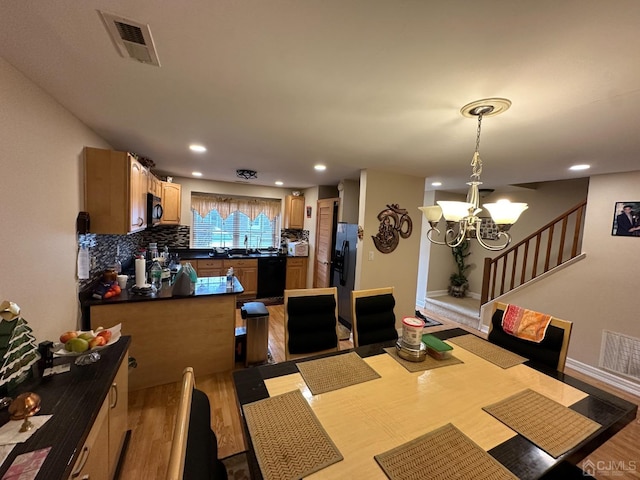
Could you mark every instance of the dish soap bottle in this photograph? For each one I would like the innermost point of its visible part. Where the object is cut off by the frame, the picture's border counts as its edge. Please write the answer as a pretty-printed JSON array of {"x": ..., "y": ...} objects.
[{"x": 230, "y": 278}]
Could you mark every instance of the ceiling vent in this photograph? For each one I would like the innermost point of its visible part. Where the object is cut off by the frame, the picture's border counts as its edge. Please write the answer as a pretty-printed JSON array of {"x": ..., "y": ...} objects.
[{"x": 132, "y": 39}]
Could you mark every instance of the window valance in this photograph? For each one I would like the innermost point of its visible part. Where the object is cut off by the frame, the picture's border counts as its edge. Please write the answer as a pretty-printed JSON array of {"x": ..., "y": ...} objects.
[{"x": 203, "y": 203}]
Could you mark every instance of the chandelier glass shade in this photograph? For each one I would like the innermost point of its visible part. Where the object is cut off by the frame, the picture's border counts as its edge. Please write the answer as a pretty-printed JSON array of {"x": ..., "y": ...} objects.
[{"x": 462, "y": 221}]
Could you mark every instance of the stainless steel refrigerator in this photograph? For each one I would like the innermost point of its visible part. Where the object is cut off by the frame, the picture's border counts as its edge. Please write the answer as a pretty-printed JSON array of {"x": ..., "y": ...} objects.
[{"x": 344, "y": 268}]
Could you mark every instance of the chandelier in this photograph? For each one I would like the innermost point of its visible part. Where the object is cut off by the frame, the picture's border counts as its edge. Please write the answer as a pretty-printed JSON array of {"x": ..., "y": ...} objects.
[{"x": 461, "y": 217}]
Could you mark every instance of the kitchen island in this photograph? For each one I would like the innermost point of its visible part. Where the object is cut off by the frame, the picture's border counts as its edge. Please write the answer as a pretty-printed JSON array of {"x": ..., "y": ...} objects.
[{"x": 169, "y": 333}]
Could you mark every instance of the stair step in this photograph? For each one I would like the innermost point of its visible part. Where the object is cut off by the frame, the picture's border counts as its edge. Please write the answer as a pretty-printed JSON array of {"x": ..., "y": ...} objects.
[{"x": 461, "y": 310}]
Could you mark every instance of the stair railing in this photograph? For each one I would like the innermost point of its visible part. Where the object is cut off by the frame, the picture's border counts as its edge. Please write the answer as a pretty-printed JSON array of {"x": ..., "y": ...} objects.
[{"x": 537, "y": 254}]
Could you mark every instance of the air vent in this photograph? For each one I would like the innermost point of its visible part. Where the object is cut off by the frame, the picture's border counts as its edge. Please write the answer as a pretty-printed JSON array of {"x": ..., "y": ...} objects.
[
  {"x": 132, "y": 39},
  {"x": 620, "y": 353}
]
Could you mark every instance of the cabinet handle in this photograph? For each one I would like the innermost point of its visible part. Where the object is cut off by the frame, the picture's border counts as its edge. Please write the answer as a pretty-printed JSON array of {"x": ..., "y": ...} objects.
[
  {"x": 114, "y": 389},
  {"x": 140, "y": 221},
  {"x": 84, "y": 455}
]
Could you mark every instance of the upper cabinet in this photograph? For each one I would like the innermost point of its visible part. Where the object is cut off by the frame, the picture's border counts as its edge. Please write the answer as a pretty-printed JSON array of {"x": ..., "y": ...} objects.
[
  {"x": 294, "y": 212},
  {"x": 155, "y": 185},
  {"x": 171, "y": 203},
  {"x": 115, "y": 191}
]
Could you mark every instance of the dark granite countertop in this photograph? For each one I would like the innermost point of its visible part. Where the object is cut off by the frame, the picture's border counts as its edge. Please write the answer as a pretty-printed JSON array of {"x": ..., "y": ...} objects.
[
  {"x": 204, "y": 254},
  {"x": 205, "y": 286}
]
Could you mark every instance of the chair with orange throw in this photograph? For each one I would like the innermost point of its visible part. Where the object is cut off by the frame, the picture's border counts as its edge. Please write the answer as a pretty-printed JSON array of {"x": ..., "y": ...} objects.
[
  {"x": 550, "y": 352},
  {"x": 310, "y": 321},
  {"x": 372, "y": 316}
]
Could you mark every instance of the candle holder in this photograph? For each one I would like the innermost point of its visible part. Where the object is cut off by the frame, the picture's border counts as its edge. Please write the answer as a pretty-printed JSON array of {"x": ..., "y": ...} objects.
[{"x": 24, "y": 406}]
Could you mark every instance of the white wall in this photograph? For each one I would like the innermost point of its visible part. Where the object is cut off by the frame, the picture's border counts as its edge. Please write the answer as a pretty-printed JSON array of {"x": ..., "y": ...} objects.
[
  {"x": 41, "y": 194},
  {"x": 400, "y": 267},
  {"x": 349, "y": 200},
  {"x": 599, "y": 292}
]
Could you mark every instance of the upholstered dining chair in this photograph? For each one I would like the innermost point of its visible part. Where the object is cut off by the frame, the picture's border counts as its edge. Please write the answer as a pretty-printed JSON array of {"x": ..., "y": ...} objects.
[
  {"x": 551, "y": 351},
  {"x": 310, "y": 321},
  {"x": 372, "y": 316},
  {"x": 194, "y": 447}
]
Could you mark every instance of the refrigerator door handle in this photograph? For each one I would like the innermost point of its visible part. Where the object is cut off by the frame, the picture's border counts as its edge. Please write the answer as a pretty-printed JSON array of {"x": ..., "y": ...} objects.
[{"x": 345, "y": 267}]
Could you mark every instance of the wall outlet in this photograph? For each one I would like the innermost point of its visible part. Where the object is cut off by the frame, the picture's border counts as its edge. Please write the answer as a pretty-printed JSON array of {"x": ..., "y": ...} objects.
[{"x": 371, "y": 255}]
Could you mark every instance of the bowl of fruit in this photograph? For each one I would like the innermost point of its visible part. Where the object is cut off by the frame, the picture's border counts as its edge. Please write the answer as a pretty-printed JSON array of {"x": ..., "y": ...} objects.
[{"x": 74, "y": 343}]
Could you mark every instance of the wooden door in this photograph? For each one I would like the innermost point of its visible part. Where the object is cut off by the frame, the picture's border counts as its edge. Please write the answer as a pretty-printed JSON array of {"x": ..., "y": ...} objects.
[{"x": 325, "y": 226}]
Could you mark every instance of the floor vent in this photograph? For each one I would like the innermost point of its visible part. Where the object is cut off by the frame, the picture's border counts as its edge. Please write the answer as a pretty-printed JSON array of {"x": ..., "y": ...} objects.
[
  {"x": 132, "y": 39},
  {"x": 620, "y": 354}
]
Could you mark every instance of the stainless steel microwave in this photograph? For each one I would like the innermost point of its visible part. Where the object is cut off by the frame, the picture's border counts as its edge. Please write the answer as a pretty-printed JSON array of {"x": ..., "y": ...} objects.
[{"x": 154, "y": 210}]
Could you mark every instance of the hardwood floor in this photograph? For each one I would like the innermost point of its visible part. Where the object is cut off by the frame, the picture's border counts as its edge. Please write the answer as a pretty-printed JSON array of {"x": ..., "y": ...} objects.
[{"x": 152, "y": 415}]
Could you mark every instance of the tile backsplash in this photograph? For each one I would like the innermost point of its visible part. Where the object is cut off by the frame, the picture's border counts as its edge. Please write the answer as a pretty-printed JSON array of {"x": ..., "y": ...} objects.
[{"x": 103, "y": 248}]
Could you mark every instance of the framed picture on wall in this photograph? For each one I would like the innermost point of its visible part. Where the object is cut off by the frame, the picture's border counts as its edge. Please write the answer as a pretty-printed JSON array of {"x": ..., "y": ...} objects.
[
  {"x": 626, "y": 219},
  {"x": 488, "y": 229}
]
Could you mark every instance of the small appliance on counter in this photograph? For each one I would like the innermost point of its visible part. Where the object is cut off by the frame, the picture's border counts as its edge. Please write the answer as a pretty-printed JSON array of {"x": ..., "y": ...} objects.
[{"x": 298, "y": 249}]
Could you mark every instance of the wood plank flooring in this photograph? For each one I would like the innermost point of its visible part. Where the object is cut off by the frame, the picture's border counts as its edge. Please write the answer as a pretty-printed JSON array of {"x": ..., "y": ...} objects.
[{"x": 152, "y": 415}]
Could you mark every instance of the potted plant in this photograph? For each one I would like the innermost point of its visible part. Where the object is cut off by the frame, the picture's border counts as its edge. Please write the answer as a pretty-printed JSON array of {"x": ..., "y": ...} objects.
[{"x": 458, "y": 282}]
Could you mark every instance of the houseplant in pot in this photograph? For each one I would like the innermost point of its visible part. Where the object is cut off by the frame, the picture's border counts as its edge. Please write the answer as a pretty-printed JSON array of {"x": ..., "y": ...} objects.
[{"x": 458, "y": 282}]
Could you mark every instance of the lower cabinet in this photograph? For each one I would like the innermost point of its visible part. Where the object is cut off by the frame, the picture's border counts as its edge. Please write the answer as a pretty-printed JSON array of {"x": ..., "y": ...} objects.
[
  {"x": 296, "y": 273},
  {"x": 247, "y": 273},
  {"x": 209, "y": 268},
  {"x": 100, "y": 453},
  {"x": 92, "y": 463}
]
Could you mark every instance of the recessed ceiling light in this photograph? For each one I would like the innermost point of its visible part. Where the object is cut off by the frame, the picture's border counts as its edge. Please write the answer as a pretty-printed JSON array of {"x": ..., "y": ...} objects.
[
  {"x": 197, "y": 148},
  {"x": 580, "y": 167},
  {"x": 436, "y": 184},
  {"x": 279, "y": 182},
  {"x": 196, "y": 174},
  {"x": 320, "y": 168}
]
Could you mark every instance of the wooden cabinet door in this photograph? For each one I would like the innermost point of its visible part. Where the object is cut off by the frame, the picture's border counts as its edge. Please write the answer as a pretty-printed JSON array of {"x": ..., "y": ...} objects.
[
  {"x": 294, "y": 212},
  {"x": 118, "y": 410},
  {"x": 250, "y": 280},
  {"x": 209, "y": 268},
  {"x": 296, "y": 273},
  {"x": 155, "y": 185},
  {"x": 138, "y": 178},
  {"x": 93, "y": 460},
  {"x": 171, "y": 203}
]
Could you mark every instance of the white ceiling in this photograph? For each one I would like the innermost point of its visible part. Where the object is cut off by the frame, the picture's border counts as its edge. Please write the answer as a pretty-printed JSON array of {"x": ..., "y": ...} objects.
[{"x": 276, "y": 86}]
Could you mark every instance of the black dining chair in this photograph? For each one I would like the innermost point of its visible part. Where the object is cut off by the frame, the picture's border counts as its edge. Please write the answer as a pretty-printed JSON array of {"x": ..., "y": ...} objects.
[
  {"x": 310, "y": 321},
  {"x": 372, "y": 316},
  {"x": 551, "y": 351}
]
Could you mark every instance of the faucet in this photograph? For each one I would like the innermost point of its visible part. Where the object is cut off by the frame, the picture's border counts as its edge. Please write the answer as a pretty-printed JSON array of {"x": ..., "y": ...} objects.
[{"x": 246, "y": 244}]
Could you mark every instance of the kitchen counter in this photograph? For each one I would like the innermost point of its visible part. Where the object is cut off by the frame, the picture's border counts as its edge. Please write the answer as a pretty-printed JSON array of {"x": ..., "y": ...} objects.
[
  {"x": 170, "y": 333},
  {"x": 203, "y": 254}
]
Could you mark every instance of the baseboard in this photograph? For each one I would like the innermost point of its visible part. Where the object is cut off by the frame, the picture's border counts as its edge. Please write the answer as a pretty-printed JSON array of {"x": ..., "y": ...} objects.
[{"x": 601, "y": 375}]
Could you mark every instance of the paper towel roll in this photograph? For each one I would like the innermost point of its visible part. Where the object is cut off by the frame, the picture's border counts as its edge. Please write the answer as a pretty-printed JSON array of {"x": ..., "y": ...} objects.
[{"x": 140, "y": 272}]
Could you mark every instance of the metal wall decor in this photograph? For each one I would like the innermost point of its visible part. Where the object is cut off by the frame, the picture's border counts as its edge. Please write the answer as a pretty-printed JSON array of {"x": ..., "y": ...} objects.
[{"x": 395, "y": 223}]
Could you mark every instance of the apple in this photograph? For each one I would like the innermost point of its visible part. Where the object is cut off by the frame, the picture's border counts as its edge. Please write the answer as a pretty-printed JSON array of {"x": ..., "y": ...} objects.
[
  {"x": 97, "y": 342},
  {"x": 106, "y": 334},
  {"x": 86, "y": 336},
  {"x": 66, "y": 336}
]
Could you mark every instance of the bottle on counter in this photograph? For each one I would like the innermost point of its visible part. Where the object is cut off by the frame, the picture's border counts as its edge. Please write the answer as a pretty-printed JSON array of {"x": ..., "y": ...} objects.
[
  {"x": 153, "y": 251},
  {"x": 156, "y": 275},
  {"x": 230, "y": 278},
  {"x": 117, "y": 265}
]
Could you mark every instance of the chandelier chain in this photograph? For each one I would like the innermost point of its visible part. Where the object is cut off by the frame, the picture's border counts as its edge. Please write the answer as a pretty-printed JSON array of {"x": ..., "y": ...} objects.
[{"x": 476, "y": 162}]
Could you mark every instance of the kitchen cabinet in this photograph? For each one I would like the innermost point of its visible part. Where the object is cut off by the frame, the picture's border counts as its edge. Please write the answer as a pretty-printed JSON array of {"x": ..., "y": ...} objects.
[
  {"x": 155, "y": 185},
  {"x": 294, "y": 212},
  {"x": 92, "y": 462},
  {"x": 210, "y": 268},
  {"x": 171, "y": 203},
  {"x": 296, "y": 272},
  {"x": 118, "y": 399},
  {"x": 115, "y": 191},
  {"x": 247, "y": 272}
]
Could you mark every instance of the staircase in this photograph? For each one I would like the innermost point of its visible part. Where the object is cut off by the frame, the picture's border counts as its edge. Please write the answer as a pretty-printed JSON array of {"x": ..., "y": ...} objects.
[{"x": 464, "y": 310}]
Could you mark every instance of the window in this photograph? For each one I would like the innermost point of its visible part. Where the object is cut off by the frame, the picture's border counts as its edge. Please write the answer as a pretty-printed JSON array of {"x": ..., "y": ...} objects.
[{"x": 237, "y": 230}]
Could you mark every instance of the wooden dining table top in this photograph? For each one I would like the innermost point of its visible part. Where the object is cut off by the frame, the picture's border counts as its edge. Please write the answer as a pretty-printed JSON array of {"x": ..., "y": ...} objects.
[{"x": 372, "y": 417}]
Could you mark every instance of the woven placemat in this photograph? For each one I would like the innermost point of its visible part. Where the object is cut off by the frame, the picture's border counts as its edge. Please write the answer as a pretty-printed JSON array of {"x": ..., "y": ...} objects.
[
  {"x": 490, "y": 352},
  {"x": 287, "y": 437},
  {"x": 441, "y": 454},
  {"x": 548, "y": 424},
  {"x": 339, "y": 371},
  {"x": 427, "y": 364}
]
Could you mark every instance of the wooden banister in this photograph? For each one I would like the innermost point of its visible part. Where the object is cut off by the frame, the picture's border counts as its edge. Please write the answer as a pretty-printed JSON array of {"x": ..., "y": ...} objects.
[{"x": 510, "y": 268}]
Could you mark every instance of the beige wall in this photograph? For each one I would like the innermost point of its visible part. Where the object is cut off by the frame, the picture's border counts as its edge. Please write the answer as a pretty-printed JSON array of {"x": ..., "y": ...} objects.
[
  {"x": 400, "y": 267},
  {"x": 598, "y": 292},
  {"x": 349, "y": 198},
  {"x": 41, "y": 194}
]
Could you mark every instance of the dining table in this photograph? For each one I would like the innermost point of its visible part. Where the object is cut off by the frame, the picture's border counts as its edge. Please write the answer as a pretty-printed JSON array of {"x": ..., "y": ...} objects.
[{"x": 398, "y": 407}]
